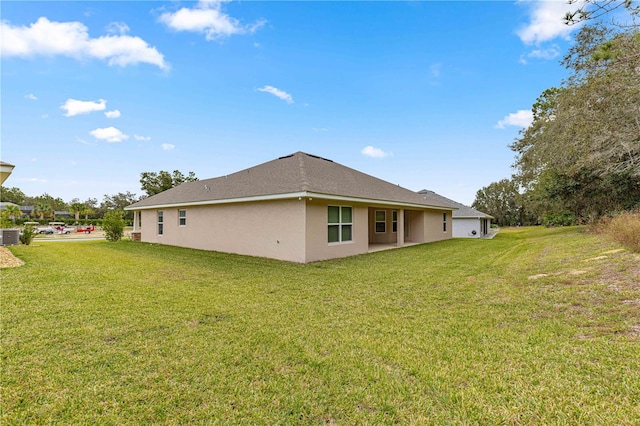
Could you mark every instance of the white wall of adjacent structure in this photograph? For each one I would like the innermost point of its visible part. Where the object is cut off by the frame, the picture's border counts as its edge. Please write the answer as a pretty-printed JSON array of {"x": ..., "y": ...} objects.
[{"x": 464, "y": 227}]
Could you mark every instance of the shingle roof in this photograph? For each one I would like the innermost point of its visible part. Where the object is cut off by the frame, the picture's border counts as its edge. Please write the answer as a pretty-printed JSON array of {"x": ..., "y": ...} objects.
[
  {"x": 462, "y": 212},
  {"x": 291, "y": 174}
]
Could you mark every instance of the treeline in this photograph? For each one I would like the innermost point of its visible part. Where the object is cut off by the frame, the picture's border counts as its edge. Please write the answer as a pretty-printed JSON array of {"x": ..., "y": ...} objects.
[
  {"x": 45, "y": 206},
  {"x": 579, "y": 160}
]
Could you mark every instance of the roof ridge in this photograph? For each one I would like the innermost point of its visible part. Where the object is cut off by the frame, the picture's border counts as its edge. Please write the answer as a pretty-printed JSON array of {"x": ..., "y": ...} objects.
[{"x": 304, "y": 178}]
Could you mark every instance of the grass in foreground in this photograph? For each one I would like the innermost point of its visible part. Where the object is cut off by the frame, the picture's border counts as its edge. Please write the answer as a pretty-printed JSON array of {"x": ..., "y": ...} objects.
[{"x": 537, "y": 326}]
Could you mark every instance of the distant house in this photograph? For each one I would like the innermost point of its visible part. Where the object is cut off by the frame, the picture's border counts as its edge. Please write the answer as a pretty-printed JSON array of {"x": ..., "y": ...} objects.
[
  {"x": 5, "y": 204},
  {"x": 467, "y": 221},
  {"x": 300, "y": 207},
  {"x": 27, "y": 210}
]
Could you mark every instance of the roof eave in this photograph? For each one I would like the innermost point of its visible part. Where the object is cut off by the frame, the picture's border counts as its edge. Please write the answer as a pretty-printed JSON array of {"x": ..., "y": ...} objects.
[{"x": 290, "y": 195}]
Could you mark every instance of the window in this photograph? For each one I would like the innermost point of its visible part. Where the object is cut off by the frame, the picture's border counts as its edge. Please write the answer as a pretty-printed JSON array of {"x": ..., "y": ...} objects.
[
  {"x": 340, "y": 223},
  {"x": 381, "y": 221},
  {"x": 444, "y": 222},
  {"x": 394, "y": 221},
  {"x": 160, "y": 222},
  {"x": 182, "y": 217}
]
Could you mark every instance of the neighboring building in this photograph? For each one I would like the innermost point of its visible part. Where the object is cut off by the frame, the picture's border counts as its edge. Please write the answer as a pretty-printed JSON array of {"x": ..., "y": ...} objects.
[
  {"x": 27, "y": 210},
  {"x": 467, "y": 222},
  {"x": 4, "y": 204},
  {"x": 5, "y": 171},
  {"x": 301, "y": 208}
]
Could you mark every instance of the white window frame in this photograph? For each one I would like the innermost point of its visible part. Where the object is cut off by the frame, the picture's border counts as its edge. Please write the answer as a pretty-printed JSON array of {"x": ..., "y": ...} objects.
[
  {"x": 444, "y": 222},
  {"x": 394, "y": 221},
  {"x": 376, "y": 221},
  {"x": 160, "y": 222},
  {"x": 339, "y": 224},
  {"x": 182, "y": 220}
]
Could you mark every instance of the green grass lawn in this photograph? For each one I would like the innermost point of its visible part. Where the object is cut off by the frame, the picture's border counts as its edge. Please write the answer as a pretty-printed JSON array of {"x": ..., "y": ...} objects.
[{"x": 537, "y": 326}]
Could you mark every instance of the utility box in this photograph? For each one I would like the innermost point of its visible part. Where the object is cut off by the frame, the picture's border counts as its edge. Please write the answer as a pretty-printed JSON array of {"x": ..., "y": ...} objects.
[{"x": 9, "y": 237}]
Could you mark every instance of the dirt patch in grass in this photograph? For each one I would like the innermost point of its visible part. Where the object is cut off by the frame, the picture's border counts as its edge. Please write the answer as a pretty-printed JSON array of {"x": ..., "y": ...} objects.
[{"x": 8, "y": 260}]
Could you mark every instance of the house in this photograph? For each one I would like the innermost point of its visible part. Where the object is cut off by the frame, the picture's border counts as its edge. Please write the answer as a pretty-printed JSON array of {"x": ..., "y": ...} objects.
[
  {"x": 5, "y": 171},
  {"x": 467, "y": 222},
  {"x": 300, "y": 208}
]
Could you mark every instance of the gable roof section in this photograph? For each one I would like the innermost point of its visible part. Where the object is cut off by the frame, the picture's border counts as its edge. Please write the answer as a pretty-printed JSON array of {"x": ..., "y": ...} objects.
[
  {"x": 294, "y": 175},
  {"x": 462, "y": 212}
]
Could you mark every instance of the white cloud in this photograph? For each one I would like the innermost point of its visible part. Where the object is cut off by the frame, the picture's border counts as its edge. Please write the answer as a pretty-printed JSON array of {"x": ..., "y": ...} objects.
[
  {"x": 546, "y": 21},
  {"x": 319, "y": 129},
  {"x": 522, "y": 118},
  {"x": 117, "y": 28},
  {"x": 278, "y": 93},
  {"x": 31, "y": 96},
  {"x": 141, "y": 138},
  {"x": 549, "y": 53},
  {"x": 373, "y": 152},
  {"x": 37, "y": 180},
  {"x": 50, "y": 38},
  {"x": 168, "y": 147},
  {"x": 109, "y": 134},
  {"x": 76, "y": 107},
  {"x": 544, "y": 54},
  {"x": 112, "y": 114},
  {"x": 208, "y": 18}
]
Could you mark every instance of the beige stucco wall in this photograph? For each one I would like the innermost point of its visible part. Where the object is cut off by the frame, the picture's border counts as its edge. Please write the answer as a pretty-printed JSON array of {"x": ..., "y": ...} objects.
[
  {"x": 318, "y": 248},
  {"x": 433, "y": 226},
  {"x": 387, "y": 237},
  {"x": 416, "y": 226},
  {"x": 293, "y": 230},
  {"x": 273, "y": 229}
]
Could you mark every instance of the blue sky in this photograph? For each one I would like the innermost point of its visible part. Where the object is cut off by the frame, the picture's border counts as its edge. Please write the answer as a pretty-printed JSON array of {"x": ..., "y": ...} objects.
[{"x": 427, "y": 95}]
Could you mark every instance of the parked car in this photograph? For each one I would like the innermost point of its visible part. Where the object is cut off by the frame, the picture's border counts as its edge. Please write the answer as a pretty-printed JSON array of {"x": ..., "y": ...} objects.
[
  {"x": 86, "y": 229},
  {"x": 64, "y": 229},
  {"x": 44, "y": 230},
  {"x": 56, "y": 228}
]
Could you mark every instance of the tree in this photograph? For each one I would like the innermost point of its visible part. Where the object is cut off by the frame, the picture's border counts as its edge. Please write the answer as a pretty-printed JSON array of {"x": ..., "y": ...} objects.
[
  {"x": 90, "y": 206},
  {"x": 43, "y": 209},
  {"x": 118, "y": 202},
  {"x": 153, "y": 183},
  {"x": 501, "y": 200},
  {"x": 581, "y": 154},
  {"x": 113, "y": 225},
  {"x": 14, "y": 212},
  {"x": 12, "y": 195},
  {"x": 76, "y": 208},
  {"x": 5, "y": 221},
  {"x": 595, "y": 9}
]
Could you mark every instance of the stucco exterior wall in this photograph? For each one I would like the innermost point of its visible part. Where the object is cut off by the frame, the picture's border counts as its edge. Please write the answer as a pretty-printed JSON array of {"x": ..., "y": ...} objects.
[
  {"x": 273, "y": 229},
  {"x": 463, "y": 227},
  {"x": 318, "y": 247},
  {"x": 295, "y": 230},
  {"x": 415, "y": 222},
  {"x": 387, "y": 237},
  {"x": 433, "y": 226}
]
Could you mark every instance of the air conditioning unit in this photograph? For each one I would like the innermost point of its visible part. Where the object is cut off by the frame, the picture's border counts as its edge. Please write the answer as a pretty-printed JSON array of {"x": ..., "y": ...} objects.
[{"x": 9, "y": 237}]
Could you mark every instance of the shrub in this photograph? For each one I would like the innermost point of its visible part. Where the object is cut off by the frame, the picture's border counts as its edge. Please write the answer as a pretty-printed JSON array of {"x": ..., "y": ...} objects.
[
  {"x": 27, "y": 235},
  {"x": 113, "y": 225},
  {"x": 559, "y": 219},
  {"x": 623, "y": 228}
]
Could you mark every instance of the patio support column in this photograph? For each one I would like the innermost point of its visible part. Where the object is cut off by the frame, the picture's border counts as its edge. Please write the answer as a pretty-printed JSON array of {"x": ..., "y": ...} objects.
[
  {"x": 136, "y": 235},
  {"x": 400, "y": 231},
  {"x": 135, "y": 220}
]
